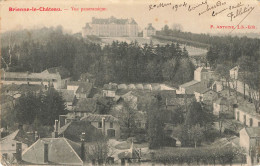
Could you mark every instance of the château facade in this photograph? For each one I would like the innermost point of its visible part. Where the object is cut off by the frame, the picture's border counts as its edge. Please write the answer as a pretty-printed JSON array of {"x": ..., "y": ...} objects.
[{"x": 111, "y": 27}]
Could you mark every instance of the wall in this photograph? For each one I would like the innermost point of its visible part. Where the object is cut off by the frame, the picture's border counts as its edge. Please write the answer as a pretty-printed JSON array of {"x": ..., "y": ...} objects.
[
  {"x": 197, "y": 75},
  {"x": 244, "y": 140},
  {"x": 72, "y": 87},
  {"x": 248, "y": 117},
  {"x": 116, "y": 127}
]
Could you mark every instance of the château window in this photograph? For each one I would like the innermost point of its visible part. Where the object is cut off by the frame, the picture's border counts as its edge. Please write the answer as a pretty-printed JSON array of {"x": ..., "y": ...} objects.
[{"x": 111, "y": 125}]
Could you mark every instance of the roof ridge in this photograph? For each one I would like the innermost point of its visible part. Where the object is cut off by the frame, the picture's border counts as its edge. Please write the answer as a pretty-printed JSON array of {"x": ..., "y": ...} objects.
[
  {"x": 73, "y": 149},
  {"x": 31, "y": 146}
]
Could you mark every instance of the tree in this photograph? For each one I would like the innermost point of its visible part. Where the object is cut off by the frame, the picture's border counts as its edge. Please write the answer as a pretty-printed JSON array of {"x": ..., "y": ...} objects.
[
  {"x": 156, "y": 123},
  {"x": 52, "y": 106},
  {"x": 26, "y": 108},
  {"x": 222, "y": 71},
  {"x": 99, "y": 150},
  {"x": 168, "y": 69},
  {"x": 194, "y": 115},
  {"x": 196, "y": 134},
  {"x": 127, "y": 118}
]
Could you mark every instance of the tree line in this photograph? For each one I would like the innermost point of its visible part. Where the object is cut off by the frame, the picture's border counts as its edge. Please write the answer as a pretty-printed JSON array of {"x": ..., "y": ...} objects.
[{"x": 117, "y": 62}]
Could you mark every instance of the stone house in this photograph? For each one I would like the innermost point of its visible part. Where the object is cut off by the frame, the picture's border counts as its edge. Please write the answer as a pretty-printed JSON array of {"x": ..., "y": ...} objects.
[
  {"x": 205, "y": 95},
  {"x": 84, "y": 90},
  {"x": 220, "y": 105},
  {"x": 217, "y": 86},
  {"x": 108, "y": 124},
  {"x": 18, "y": 140},
  {"x": 247, "y": 116},
  {"x": 250, "y": 141}
]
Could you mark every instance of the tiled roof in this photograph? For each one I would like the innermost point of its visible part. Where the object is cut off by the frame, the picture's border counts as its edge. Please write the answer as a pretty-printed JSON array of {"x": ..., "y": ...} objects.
[
  {"x": 84, "y": 88},
  {"x": 226, "y": 142},
  {"x": 200, "y": 86},
  {"x": 86, "y": 105},
  {"x": 253, "y": 132},
  {"x": 64, "y": 73},
  {"x": 187, "y": 84},
  {"x": 28, "y": 76},
  {"x": 74, "y": 129},
  {"x": 178, "y": 101},
  {"x": 202, "y": 90},
  {"x": 21, "y": 88},
  {"x": 67, "y": 95},
  {"x": 221, "y": 101},
  {"x": 98, "y": 118},
  {"x": 18, "y": 135},
  {"x": 112, "y": 20},
  {"x": 60, "y": 151},
  {"x": 248, "y": 108}
]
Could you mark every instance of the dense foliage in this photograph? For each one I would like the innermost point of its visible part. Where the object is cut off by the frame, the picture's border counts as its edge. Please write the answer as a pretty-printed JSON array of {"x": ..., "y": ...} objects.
[
  {"x": 118, "y": 62},
  {"x": 41, "y": 109},
  {"x": 197, "y": 156}
]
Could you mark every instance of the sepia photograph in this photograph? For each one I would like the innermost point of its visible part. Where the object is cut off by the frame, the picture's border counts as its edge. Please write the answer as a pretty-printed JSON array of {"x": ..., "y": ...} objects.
[{"x": 130, "y": 83}]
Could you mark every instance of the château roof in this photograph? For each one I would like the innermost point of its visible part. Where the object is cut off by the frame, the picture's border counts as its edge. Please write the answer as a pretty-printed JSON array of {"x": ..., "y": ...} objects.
[{"x": 112, "y": 20}]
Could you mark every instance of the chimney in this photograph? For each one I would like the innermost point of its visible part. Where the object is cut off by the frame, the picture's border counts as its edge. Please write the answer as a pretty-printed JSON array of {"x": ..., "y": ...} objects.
[
  {"x": 19, "y": 152},
  {"x": 56, "y": 129},
  {"x": 45, "y": 153},
  {"x": 35, "y": 135},
  {"x": 62, "y": 120},
  {"x": 103, "y": 126},
  {"x": 82, "y": 155}
]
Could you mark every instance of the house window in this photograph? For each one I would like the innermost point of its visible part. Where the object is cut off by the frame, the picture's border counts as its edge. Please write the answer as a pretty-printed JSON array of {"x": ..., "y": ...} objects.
[
  {"x": 111, "y": 125},
  {"x": 245, "y": 119},
  {"x": 251, "y": 122},
  {"x": 99, "y": 124},
  {"x": 238, "y": 116}
]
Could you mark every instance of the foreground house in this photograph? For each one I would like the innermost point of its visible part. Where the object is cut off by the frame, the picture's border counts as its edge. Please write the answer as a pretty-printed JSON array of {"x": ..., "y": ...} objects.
[
  {"x": 108, "y": 124},
  {"x": 250, "y": 141},
  {"x": 73, "y": 131},
  {"x": 53, "y": 151},
  {"x": 8, "y": 144}
]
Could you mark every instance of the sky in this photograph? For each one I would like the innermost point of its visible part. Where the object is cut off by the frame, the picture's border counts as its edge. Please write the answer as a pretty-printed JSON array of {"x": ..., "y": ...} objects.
[{"x": 191, "y": 21}]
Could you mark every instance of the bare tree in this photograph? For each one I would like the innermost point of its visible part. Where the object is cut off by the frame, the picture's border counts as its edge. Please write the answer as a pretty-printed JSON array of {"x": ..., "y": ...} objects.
[
  {"x": 100, "y": 150},
  {"x": 10, "y": 54}
]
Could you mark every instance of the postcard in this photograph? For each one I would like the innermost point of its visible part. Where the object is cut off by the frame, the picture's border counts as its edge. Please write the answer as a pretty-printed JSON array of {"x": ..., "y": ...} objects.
[{"x": 130, "y": 82}]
